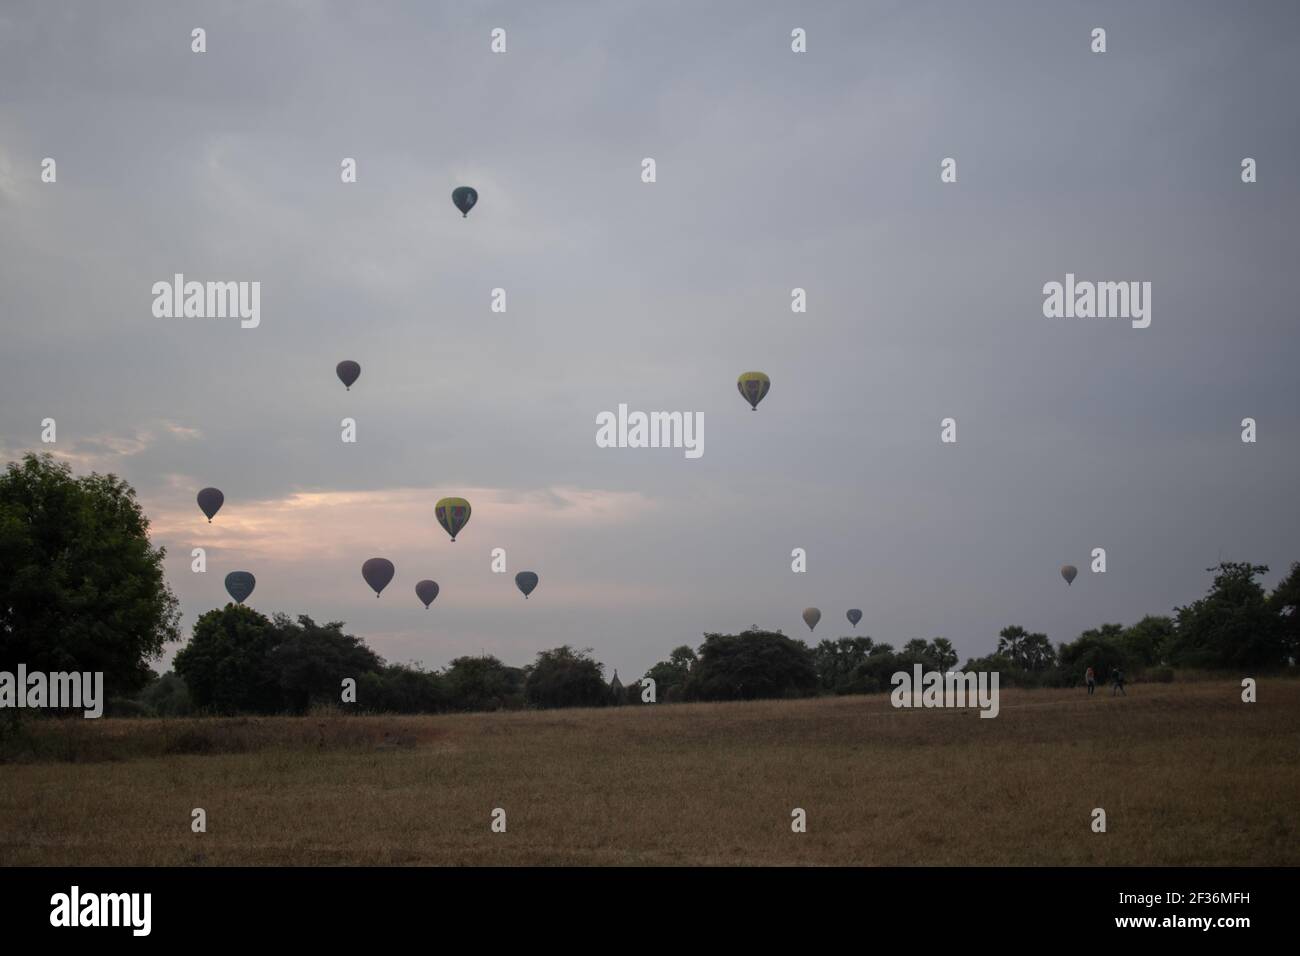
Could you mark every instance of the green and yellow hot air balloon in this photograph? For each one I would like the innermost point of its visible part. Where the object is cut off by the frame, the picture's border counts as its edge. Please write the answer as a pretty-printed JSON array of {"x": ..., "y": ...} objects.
[
  {"x": 452, "y": 514},
  {"x": 753, "y": 386}
]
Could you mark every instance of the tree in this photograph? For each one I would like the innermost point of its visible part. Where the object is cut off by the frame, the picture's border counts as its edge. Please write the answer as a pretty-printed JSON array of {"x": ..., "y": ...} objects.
[
  {"x": 1145, "y": 642},
  {"x": 482, "y": 683},
  {"x": 1009, "y": 642},
  {"x": 1233, "y": 626},
  {"x": 835, "y": 661},
  {"x": 227, "y": 664},
  {"x": 167, "y": 696},
  {"x": 941, "y": 651},
  {"x": 1285, "y": 603},
  {"x": 670, "y": 676},
  {"x": 1036, "y": 653},
  {"x": 311, "y": 660},
  {"x": 752, "y": 665},
  {"x": 916, "y": 651},
  {"x": 1102, "y": 649},
  {"x": 563, "y": 677},
  {"x": 1028, "y": 652},
  {"x": 399, "y": 689},
  {"x": 81, "y": 588}
]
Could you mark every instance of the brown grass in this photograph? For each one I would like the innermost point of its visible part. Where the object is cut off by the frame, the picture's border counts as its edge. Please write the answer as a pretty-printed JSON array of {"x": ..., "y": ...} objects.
[{"x": 1187, "y": 774}]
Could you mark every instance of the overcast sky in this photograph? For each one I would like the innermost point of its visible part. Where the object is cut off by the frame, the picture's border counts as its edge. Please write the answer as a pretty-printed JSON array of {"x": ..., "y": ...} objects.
[{"x": 775, "y": 170}]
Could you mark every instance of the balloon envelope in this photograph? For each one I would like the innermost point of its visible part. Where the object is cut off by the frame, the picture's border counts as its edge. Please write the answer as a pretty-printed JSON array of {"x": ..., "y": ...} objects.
[
  {"x": 811, "y": 616},
  {"x": 240, "y": 585},
  {"x": 210, "y": 501},
  {"x": 526, "y": 581},
  {"x": 464, "y": 197},
  {"x": 753, "y": 386},
  {"x": 1068, "y": 571},
  {"x": 378, "y": 572},
  {"x": 854, "y": 616},
  {"x": 348, "y": 372},
  {"x": 452, "y": 514},
  {"x": 426, "y": 591}
]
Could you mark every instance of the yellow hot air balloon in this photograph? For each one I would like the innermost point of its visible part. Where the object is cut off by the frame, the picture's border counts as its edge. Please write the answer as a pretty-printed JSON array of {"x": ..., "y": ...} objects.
[
  {"x": 753, "y": 386},
  {"x": 452, "y": 514}
]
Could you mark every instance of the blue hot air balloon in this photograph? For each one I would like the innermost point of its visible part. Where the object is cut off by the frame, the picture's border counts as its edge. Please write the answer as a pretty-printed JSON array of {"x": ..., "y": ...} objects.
[
  {"x": 526, "y": 581},
  {"x": 240, "y": 585}
]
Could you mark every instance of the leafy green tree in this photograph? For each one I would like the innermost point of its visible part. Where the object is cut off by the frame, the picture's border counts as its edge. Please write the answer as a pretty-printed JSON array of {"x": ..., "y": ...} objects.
[
  {"x": 1144, "y": 643},
  {"x": 401, "y": 689},
  {"x": 836, "y": 660},
  {"x": 482, "y": 683},
  {"x": 81, "y": 588},
  {"x": 1102, "y": 649},
  {"x": 564, "y": 677},
  {"x": 227, "y": 664},
  {"x": 1028, "y": 652},
  {"x": 670, "y": 676},
  {"x": 916, "y": 651},
  {"x": 311, "y": 660},
  {"x": 752, "y": 665},
  {"x": 1285, "y": 603},
  {"x": 1233, "y": 626},
  {"x": 943, "y": 655},
  {"x": 1009, "y": 642},
  {"x": 167, "y": 696}
]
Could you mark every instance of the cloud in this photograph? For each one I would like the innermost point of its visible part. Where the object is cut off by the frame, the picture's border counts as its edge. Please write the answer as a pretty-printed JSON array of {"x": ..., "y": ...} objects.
[
  {"x": 106, "y": 451},
  {"x": 327, "y": 525}
]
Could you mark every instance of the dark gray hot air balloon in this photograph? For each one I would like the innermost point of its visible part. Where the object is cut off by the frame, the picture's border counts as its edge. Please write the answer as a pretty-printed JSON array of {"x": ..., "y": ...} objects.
[
  {"x": 378, "y": 572},
  {"x": 526, "y": 581},
  {"x": 210, "y": 501},
  {"x": 426, "y": 591},
  {"x": 240, "y": 584},
  {"x": 854, "y": 616},
  {"x": 348, "y": 372},
  {"x": 811, "y": 616},
  {"x": 464, "y": 197},
  {"x": 1068, "y": 571}
]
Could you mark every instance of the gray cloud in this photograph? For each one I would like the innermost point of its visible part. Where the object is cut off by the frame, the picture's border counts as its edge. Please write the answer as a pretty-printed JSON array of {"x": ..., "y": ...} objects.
[{"x": 775, "y": 171}]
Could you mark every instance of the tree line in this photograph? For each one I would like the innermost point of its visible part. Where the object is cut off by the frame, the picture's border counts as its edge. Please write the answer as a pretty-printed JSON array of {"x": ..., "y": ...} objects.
[
  {"x": 82, "y": 588},
  {"x": 240, "y": 661}
]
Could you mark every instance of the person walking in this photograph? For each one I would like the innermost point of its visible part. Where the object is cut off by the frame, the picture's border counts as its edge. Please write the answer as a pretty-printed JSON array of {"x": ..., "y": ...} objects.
[
  {"x": 1117, "y": 676},
  {"x": 1091, "y": 678}
]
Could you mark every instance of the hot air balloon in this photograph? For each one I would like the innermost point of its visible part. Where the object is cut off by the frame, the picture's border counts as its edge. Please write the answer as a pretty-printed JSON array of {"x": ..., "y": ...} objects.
[
  {"x": 348, "y": 372},
  {"x": 526, "y": 581},
  {"x": 1068, "y": 571},
  {"x": 452, "y": 514},
  {"x": 854, "y": 616},
  {"x": 240, "y": 585},
  {"x": 210, "y": 501},
  {"x": 426, "y": 591},
  {"x": 464, "y": 197},
  {"x": 753, "y": 386},
  {"x": 378, "y": 572},
  {"x": 811, "y": 616}
]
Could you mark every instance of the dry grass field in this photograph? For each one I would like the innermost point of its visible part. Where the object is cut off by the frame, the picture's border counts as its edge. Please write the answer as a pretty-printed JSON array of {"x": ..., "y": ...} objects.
[{"x": 1187, "y": 774}]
